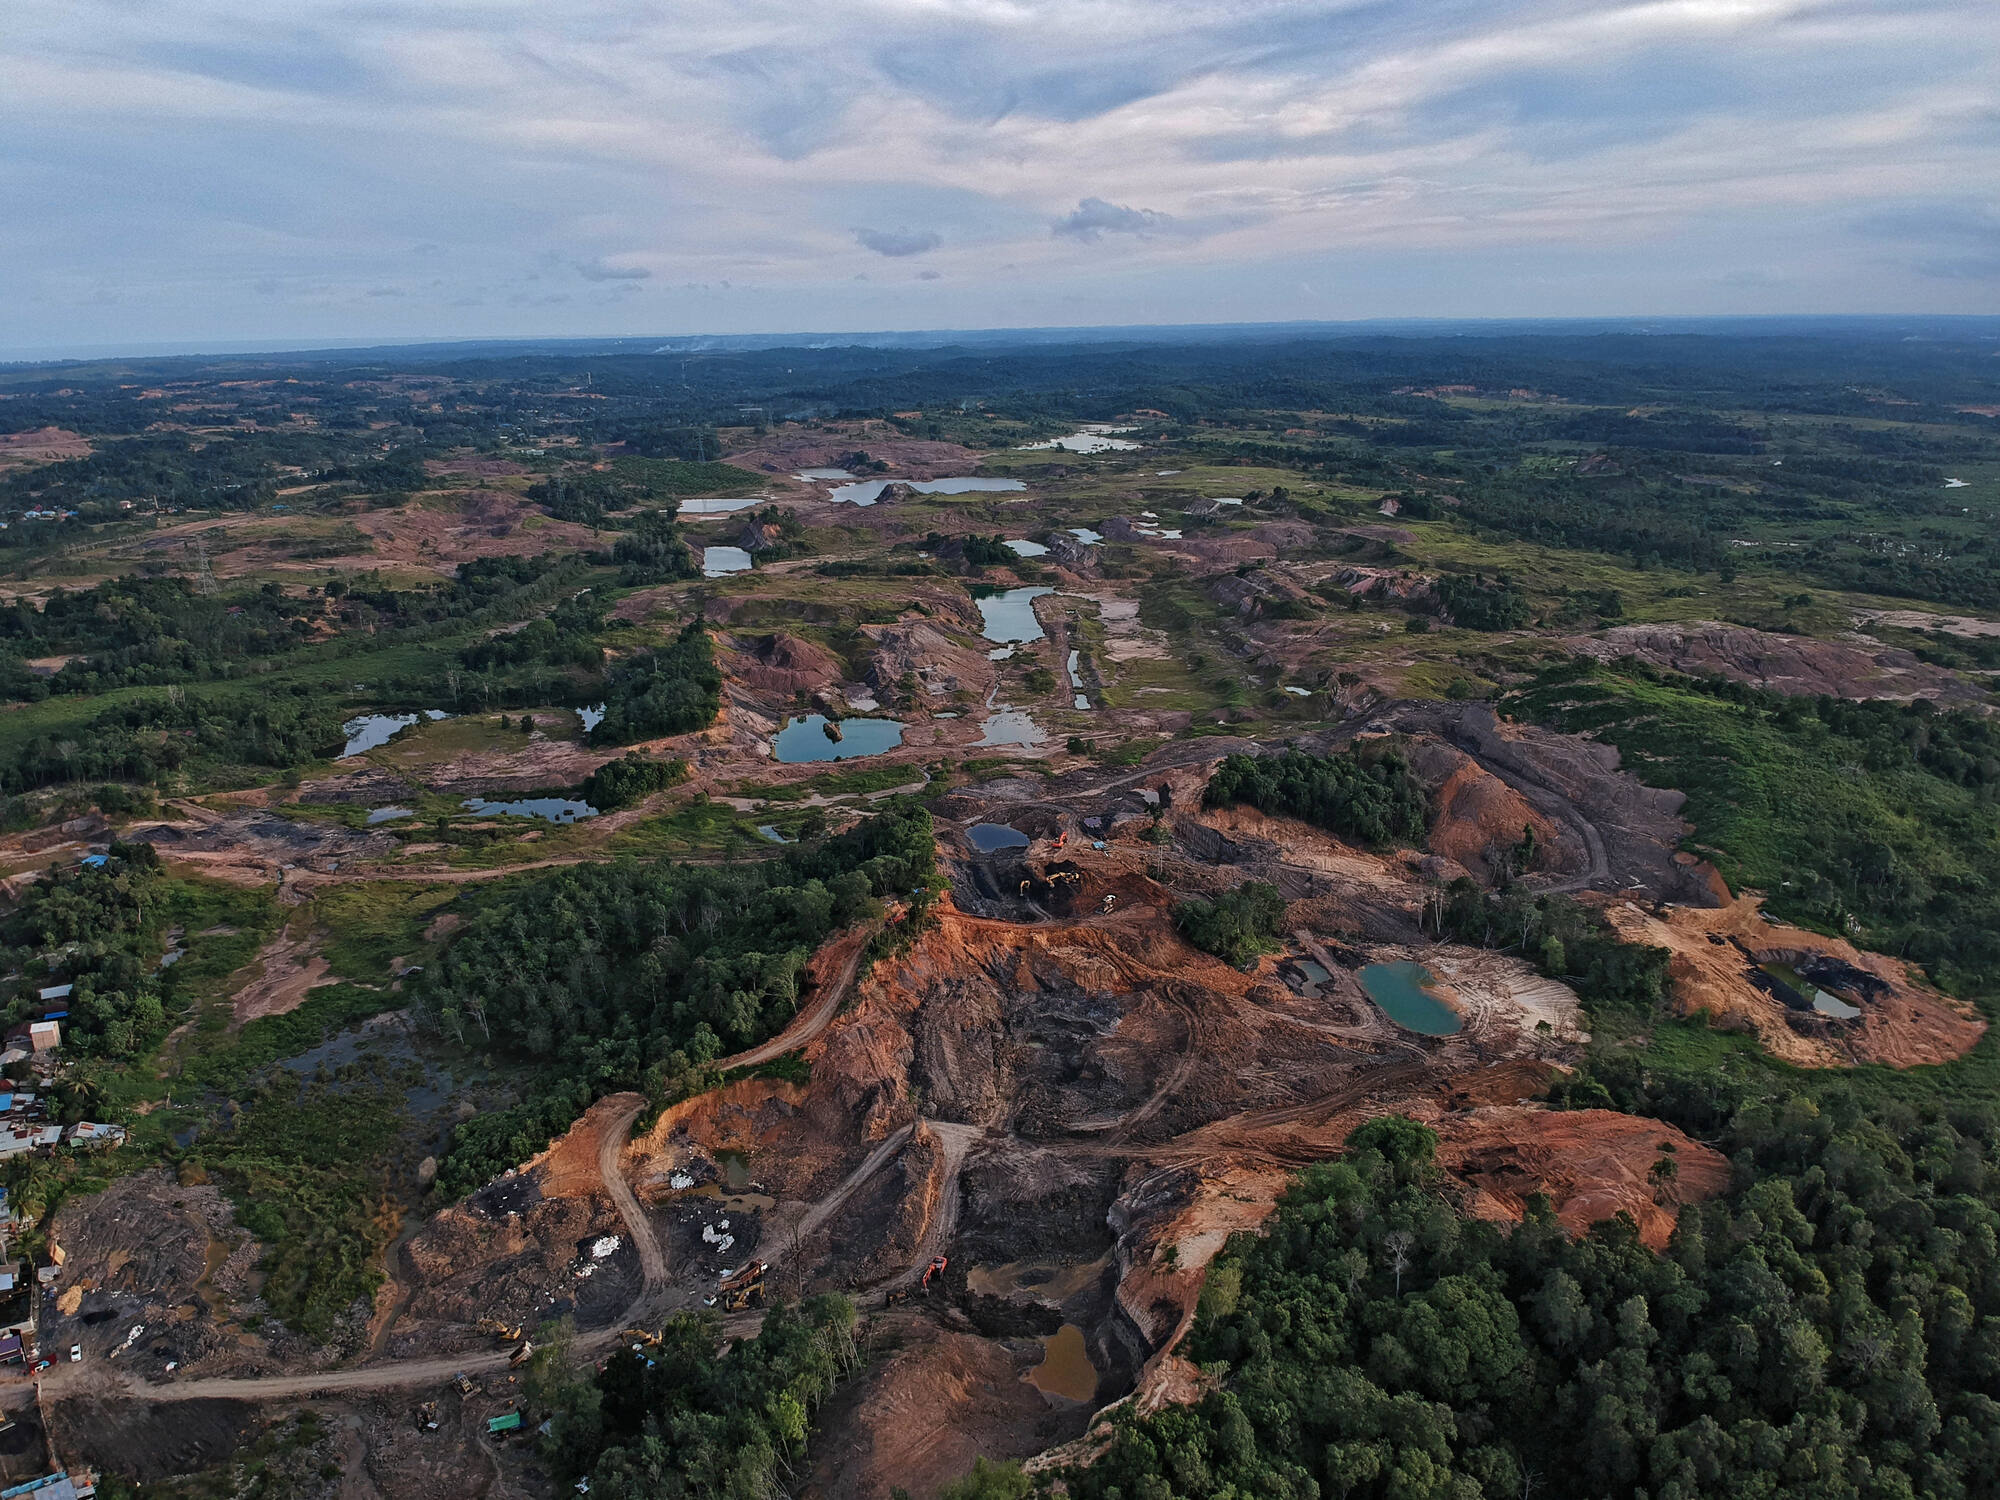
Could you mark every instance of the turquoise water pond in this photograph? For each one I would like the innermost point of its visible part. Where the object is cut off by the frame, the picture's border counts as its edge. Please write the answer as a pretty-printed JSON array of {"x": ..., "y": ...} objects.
[{"x": 1402, "y": 990}]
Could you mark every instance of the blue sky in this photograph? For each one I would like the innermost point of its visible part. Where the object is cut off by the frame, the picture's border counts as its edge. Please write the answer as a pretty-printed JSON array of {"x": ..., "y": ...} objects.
[{"x": 188, "y": 170}]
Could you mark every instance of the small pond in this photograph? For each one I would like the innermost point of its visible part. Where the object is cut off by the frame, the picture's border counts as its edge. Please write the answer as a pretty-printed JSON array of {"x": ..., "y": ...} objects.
[
  {"x": 1085, "y": 535},
  {"x": 806, "y": 739},
  {"x": 550, "y": 809},
  {"x": 824, "y": 474},
  {"x": 1096, "y": 437},
  {"x": 718, "y": 562},
  {"x": 986, "y": 837},
  {"x": 1011, "y": 726},
  {"x": 388, "y": 814},
  {"x": 868, "y": 491},
  {"x": 1803, "y": 989},
  {"x": 1026, "y": 549},
  {"x": 1402, "y": 989},
  {"x": 772, "y": 834},
  {"x": 591, "y": 717},
  {"x": 716, "y": 505},
  {"x": 1010, "y": 613},
  {"x": 372, "y": 731},
  {"x": 1065, "y": 1370}
]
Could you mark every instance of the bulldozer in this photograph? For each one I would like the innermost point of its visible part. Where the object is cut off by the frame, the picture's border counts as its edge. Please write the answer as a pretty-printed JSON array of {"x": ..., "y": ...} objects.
[{"x": 742, "y": 1289}]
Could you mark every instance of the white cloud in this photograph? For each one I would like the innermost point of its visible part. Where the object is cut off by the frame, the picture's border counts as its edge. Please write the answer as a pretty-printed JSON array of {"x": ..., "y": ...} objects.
[{"x": 192, "y": 150}]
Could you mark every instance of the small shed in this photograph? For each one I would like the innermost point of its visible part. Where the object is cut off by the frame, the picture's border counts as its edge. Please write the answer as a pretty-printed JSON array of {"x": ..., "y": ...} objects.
[
  {"x": 55, "y": 992},
  {"x": 45, "y": 1036},
  {"x": 506, "y": 1422}
]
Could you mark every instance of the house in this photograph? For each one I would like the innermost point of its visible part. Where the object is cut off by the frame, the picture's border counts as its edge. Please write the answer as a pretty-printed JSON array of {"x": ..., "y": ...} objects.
[
  {"x": 84, "y": 1134},
  {"x": 61, "y": 1485},
  {"x": 55, "y": 992},
  {"x": 45, "y": 1036}
]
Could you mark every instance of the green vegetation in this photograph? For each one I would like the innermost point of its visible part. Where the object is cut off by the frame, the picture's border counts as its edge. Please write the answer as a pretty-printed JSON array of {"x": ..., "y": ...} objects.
[
  {"x": 633, "y": 778},
  {"x": 1368, "y": 795},
  {"x": 1618, "y": 982},
  {"x": 1478, "y": 605},
  {"x": 653, "y": 551},
  {"x": 1826, "y": 1329},
  {"x": 674, "y": 690},
  {"x": 623, "y": 975},
  {"x": 1236, "y": 926},
  {"x": 1876, "y": 820},
  {"x": 684, "y": 1421},
  {"x": 307, "y": 1167}
]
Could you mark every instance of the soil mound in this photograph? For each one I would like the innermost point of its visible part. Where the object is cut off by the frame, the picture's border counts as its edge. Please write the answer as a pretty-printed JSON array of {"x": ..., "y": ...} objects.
[
  {"x": 1592, "y": 1164},
  {"x": 1904, "y": 1022},
  {"x": 1791, "y": 664}
]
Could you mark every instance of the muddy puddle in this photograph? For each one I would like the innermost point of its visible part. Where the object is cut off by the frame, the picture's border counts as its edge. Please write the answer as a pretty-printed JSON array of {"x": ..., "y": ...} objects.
[
  {"x": 389, "y": 814},
  {"x": 1012, "y": 726},
  {"x": 807, "y": 739},
  {"x": 1065, "y": 1370},
  {"x": 1026, "y": 549},
  {"x": 716, "y": 505},
  {"x": 1044, "y": 1280}
]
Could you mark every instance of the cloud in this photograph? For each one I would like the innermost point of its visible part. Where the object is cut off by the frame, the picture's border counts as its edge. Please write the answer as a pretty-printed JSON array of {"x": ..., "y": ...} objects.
[
  {"x": 1094, "y": 217},
  {"x": 929, "y": 276},
  {"x": 597, "y": 270},
  {"x": 386, "y": 291},
  {"x": 897, "y": 242}
]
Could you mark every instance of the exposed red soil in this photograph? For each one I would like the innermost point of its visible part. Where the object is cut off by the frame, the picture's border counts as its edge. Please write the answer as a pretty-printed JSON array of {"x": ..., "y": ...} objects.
[
  {"x": 43, "y": 445},
  {"x": 781, "y": 664},
  {"x": 1593, "y": 1164},
  {"x": 1479, "y": 818},
  {"x": 440, "y": 532},
  {"x": 284, "y": 971},
  {"x": 1909, "y": 1024}
]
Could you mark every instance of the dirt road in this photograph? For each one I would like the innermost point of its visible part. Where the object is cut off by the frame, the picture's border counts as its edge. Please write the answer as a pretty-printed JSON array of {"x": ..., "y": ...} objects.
[
  {"x": 401, "y": 1373},
  {"x": 811, "y": 1021}
]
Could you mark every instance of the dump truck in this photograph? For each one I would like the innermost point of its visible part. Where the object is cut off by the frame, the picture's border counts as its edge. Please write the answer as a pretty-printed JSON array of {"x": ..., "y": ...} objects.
[
  {"x": 742, "y": 1288},
  {"x": 521, "y": 1355}
]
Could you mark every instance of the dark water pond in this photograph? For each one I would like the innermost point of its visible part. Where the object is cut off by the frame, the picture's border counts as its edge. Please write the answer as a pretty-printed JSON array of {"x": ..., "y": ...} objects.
[{"x": 986, "y": 837}]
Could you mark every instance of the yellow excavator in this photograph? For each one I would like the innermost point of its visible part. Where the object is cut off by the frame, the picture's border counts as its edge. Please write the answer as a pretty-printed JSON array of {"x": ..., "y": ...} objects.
[
  {"x": 742, "y": 1289},
  {"x": 503, "y": 1333}
]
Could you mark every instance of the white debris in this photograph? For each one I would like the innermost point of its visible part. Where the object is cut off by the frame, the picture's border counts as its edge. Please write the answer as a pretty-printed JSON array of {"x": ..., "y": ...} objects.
[
  {"x": 681, "y": 1181},
  {"x": 711, "y": 1236},
  {"x": 607, "y": 1246}
]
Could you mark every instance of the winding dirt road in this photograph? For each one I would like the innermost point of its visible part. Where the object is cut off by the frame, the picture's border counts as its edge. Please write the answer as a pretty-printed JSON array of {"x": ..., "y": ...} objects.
[{"x": 65, "y": 1379}]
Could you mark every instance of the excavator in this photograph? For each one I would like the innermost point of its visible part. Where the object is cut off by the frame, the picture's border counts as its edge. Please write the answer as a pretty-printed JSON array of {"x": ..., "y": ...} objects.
[
  {"x": 742, "y": 1289},
  {"x": 503, "y": 1333},
  {"x": 935, "y": 1268}
]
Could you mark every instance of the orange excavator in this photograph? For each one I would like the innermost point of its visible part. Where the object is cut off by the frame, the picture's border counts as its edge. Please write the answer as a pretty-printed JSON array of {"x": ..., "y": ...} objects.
[{"x": 935, "y": 1268}]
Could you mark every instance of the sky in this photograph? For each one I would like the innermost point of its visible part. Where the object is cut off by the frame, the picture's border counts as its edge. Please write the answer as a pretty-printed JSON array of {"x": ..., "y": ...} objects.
[{"x": 189, "y": 171}]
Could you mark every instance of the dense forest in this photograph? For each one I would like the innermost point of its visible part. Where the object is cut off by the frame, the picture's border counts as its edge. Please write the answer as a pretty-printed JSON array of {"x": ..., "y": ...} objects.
[
  {"x": 674, "y": 690},
  {"x": 1367, "y": 795},
  {"x": 1830, "y": 1328},
  {"x": 622, "y": 975},
  {"x": 679, "y": 1419}
]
